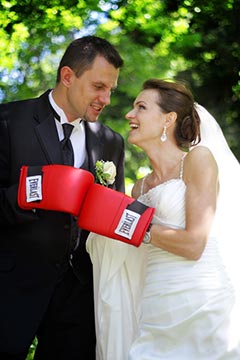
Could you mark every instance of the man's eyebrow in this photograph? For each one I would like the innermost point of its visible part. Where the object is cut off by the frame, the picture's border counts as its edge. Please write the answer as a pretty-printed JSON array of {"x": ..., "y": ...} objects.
[{"x": 100, "y": 83}]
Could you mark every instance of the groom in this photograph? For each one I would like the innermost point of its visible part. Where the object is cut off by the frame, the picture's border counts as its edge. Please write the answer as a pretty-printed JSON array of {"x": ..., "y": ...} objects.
[{"x": 45, "y": 271}]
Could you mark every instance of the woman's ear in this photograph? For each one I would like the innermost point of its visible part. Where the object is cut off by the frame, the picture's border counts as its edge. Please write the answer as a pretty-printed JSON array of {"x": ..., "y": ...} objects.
[{"x": 171, "y": 119}]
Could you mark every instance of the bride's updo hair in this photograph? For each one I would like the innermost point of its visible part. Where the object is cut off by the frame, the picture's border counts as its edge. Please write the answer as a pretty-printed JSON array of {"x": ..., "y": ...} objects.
[{"x": 176, "y": 97}]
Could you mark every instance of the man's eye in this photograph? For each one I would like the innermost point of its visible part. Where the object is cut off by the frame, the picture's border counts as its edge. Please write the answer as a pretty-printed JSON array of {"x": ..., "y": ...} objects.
[{"x": 141, "y": 107}]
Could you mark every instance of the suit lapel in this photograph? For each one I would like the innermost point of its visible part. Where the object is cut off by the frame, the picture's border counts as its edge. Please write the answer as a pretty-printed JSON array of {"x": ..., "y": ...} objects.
[
  {"x": 94, "y": 145},
  {"x": 46, "y": 131}
]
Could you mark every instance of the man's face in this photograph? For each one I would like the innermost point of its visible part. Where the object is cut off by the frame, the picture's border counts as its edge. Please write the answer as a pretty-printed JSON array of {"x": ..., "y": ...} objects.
[{"x": 87, "y": 95}]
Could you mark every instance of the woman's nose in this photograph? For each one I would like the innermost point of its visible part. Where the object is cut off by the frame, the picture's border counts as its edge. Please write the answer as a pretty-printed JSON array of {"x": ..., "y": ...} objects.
[{"x": 130, "y": 114}]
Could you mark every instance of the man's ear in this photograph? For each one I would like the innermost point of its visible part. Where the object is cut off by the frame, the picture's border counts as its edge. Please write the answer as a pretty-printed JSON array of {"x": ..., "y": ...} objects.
[{"x": 66, "y": 75}]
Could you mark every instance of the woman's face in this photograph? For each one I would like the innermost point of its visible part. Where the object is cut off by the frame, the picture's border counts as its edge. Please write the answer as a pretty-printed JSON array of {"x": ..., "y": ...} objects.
[{"x": 146, "y": 119}]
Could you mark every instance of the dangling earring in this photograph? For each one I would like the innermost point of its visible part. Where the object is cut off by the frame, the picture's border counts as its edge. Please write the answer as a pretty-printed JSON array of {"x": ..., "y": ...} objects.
[{"x": 164, "y": 134}]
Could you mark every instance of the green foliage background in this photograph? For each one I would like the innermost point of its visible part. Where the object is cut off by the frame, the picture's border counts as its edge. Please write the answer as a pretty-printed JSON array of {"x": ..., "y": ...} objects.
[{"x": 193, "y": 40}]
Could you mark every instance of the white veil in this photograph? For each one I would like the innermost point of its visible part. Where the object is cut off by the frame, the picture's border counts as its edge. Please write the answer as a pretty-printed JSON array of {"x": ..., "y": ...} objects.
[{"x": 228, "y": 209}]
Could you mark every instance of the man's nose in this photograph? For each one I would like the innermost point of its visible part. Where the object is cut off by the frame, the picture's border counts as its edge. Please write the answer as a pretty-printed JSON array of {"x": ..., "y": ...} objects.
[{"x": 105, "y": 98}]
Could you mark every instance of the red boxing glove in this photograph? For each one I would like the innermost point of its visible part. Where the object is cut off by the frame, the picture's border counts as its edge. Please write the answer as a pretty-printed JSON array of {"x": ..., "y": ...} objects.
[
  {"x": 53, "y": 187},
  {"x": 99, "y": 209},
  {"x": 113, "y": 214}
]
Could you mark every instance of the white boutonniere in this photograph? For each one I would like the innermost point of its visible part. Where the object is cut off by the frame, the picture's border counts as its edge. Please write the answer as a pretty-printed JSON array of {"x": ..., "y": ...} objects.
[{"x": 105, "y": 172}]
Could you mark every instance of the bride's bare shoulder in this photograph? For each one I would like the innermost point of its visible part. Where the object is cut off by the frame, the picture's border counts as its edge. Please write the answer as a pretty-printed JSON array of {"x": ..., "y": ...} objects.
[
  {"x": 200, "y": 160},
  {"x": 200, "y": 153}
]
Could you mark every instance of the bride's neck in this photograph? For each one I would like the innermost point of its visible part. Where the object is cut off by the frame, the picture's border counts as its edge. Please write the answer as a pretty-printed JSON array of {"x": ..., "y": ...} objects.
[{"x": 165, "y": 167}]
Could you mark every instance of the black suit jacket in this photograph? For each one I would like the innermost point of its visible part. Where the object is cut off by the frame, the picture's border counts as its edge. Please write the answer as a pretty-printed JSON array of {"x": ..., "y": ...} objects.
[{"x": 33, "y": 246}]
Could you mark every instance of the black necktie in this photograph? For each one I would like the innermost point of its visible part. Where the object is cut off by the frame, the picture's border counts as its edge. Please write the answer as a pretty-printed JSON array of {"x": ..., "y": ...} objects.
[
  {"x": 66, "y": 145},
  {"x": 68, "y": 159}
]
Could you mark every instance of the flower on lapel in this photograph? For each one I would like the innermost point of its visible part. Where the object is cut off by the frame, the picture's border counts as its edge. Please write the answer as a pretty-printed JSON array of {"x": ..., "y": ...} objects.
[{"x": 105, "y": 172}]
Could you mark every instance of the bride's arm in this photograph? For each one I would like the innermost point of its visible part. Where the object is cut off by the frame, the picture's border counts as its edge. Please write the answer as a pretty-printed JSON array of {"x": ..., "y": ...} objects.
[{"x": 201, "y": 178}]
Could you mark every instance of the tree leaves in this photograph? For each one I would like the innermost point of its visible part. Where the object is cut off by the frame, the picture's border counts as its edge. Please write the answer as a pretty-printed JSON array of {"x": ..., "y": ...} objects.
[{"x": 183, "y": 39}]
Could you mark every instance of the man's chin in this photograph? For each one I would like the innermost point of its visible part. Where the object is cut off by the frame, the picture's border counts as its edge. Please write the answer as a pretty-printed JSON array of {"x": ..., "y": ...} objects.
[{"x": 91, "y": 119}]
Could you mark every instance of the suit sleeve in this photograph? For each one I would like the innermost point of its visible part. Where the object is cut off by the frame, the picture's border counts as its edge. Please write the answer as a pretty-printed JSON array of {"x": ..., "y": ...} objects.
[{"x": 10, "y": 213}]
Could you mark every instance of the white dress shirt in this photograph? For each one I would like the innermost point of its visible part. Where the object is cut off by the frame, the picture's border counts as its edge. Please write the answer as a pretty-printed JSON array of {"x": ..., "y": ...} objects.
[{"x": 78, "y": 137}]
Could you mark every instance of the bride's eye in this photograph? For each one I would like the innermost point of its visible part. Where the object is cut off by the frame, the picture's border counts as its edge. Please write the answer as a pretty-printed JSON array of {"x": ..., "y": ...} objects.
[{"x": 142, "y": 107}]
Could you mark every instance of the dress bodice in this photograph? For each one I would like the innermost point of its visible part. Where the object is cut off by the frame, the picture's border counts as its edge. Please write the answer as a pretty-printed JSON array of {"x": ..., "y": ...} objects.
[{"x": 168, "y": 199}]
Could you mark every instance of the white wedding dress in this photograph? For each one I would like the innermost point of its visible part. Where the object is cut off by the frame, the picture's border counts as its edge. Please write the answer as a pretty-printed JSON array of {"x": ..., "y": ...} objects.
[
  {"x": 188, "y": 309},
  {"x": 151, "y": 304}
]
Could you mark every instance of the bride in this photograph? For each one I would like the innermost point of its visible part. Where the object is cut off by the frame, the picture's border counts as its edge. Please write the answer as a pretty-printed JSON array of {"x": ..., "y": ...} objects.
[{"x": 177, "y": 295}]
